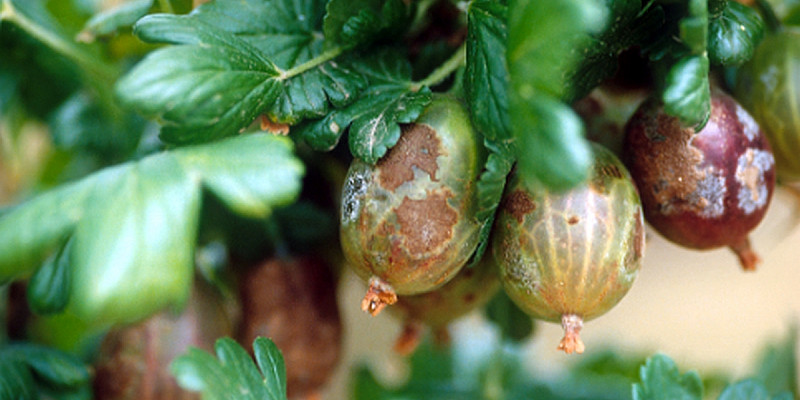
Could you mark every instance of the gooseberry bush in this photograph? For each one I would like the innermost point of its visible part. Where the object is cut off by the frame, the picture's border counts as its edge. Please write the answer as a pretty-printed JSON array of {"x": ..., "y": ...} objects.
[{"x": 185, "y": 182}]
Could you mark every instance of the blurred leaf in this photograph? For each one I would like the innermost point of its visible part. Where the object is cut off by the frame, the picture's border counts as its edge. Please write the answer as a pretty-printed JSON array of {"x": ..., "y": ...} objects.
[
  {"x": 150, "y": 206},
  {"x": 373, "y": 120},
  {"x": 48, "y": 288},
  {"x": 305, "y": 226},
  {"x": 366, "y": 387},
  {"x": 27, "y": 369},
  {"x": 234, "y": 60},
  {"x": 734, "y": 35},
  {"x": 487, "y": 79},
  {"x": 551, "y": 147},
  {"x": 352, "y": 23},
  {"x": 688, "y": 94},
  {"x": 750, "y": 389},
  {"x": 108, "y": 21},
  {"x": 660, "y": 379},
  {"x": 777, "y": 366},
  {"x": 233, "y": 373},
  {"x": 80, "y": 123},
  {"x": 550, "y": 143},
  {"x": 514, "y": 324}
]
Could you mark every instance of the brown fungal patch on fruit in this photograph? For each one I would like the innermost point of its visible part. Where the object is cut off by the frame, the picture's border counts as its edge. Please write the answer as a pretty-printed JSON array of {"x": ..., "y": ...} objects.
[
  {"x": 753, "y": 192},
  {"x": 519, "y": 204},
  {"x": 426, "y": 224},
  {"x": 418, "y": 147},
  {"x": 573, "y": 220}
]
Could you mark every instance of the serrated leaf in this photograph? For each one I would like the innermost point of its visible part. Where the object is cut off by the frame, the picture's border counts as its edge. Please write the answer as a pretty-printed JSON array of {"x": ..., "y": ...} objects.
[
  {"x": 660, "y": 379},
  {"x": 234, "y": 373},
  {"x": 373, "y": 119},
  {"x": 48, "y": 288},
  {"x": 551, "y": 147},
  {"x": 108, "y": 21},
  {"x": 234, "y": 60},
  {"x": 135, "y": 225},
  {"x": 486, "y": 79},
  {"x": 687, "y": 94},
  {"x": 734, "y": 35}
]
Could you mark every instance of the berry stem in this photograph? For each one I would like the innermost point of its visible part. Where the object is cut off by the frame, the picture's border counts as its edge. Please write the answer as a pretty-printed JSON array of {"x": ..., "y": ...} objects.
[
  {"x": 571, "y": 343},
  {"x": 747, "y": 257},
  {"x": 379, "y": 295},
  {"x": 409, "y": 339}
]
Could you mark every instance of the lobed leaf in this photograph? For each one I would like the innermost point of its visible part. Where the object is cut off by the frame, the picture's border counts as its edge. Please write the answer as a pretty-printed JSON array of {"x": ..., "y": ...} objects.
[
  {"x": 234, "y": 373},
  {"x": 234, "y": 60},
  {"x": 134, "y": 226},
  {"x": 734, "y": 35},
  {"x": 27, "y": 369},
  {"x": 660, "y": 379},
  {"x": 373, "y": 120}
]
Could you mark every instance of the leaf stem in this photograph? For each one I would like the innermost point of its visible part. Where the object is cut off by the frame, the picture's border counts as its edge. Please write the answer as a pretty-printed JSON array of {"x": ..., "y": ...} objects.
[
  {"x": 458, "y": 59},
  {"x": 326, "y": 56},
  {"x": 65, "y": 48}
]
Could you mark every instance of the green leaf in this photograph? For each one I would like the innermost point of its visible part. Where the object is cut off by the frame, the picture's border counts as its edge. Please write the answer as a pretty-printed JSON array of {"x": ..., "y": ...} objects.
[
  {"x": 108, "y": 21},
  {"x": 82, "y": 124},
  {"x": 26, "y": 370},
  {"x": 487, "y": 78},
  {"x": 734, "y": 35},
  {"x": 490, "y": 186},
  {"x": 750, "y": 389},
  {"x": 366, "y": 387},
  {"x": 542, "y": 35},
  {"x": 688, "y": 94},
  {"x": 234, "y": 373},
  {"x": 550, "y": 142},
  {"x": 234, "y": 60},
  {"x": 660, "y": 379},
  {"x": 373, "y": 120},
  {"x": 135, "y": 225},
  {"x": 777, "y": 365},
  {"x": 351, "y": 23},
  {"x": 514, "y": 324},
  {"x": 48, "y": 288}
]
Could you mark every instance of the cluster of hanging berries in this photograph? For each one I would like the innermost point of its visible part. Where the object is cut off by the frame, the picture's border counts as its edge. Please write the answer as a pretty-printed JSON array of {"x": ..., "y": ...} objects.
[{"x": 408, "y": 223}]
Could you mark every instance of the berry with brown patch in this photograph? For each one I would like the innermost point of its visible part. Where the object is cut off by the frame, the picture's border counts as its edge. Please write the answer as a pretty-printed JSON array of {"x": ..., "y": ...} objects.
[
  {"x": 408, "y": 223},
  {"x": 571, "y": 256},
  {"x": 704, "y": 189}
]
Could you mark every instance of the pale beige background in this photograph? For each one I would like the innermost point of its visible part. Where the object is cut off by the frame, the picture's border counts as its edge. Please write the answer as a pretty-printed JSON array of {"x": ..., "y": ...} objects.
[{"x": 697, "y": 307}]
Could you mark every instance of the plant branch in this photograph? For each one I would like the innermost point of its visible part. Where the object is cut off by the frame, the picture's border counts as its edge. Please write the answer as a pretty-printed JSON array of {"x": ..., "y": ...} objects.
[
  {"x": 57, "y": 43},
  {"x": 312, "y": 63},
  {"x": 458, "y": 59}
]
